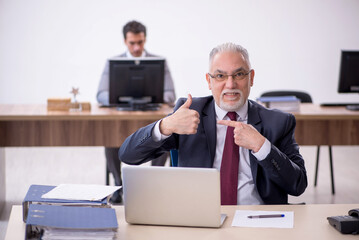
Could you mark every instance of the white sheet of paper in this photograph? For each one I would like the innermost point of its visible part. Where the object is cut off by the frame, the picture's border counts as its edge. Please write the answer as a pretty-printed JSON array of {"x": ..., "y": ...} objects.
[
  {"x": 81, "y": 192},
  {"x": 241, "y": 219}
]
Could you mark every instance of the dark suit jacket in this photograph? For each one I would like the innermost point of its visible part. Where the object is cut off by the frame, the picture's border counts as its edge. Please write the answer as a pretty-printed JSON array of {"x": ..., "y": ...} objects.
[{"x": 281, "y": 173}]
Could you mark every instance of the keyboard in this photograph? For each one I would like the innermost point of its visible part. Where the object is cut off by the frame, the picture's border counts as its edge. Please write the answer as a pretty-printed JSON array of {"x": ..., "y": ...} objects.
[
  {"x": 350, "y": 106},
  {"x": 114, "y": 105},
  {"x": 134, "y": 107},
  {"x": 336, "y": 104}
]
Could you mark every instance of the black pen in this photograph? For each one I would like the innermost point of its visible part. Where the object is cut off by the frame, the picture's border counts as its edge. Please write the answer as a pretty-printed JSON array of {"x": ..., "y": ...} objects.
[{"x": 267, "y": 216}]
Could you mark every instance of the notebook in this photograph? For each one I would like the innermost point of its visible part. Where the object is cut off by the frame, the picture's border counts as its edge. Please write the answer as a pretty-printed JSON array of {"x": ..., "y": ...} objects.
[{"x": 172, "y": 196}]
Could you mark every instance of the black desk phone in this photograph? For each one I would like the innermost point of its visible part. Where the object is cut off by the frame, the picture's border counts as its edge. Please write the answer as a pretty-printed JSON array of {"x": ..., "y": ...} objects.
[{"x": 346, "y": 224}]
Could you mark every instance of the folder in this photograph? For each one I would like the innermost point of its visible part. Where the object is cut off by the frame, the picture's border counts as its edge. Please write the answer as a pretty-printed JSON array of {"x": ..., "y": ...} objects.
[
  {"x": 74, "y": 222},
  {"x": 34, "y": 196},
  {"x": 284, "y": 103}
]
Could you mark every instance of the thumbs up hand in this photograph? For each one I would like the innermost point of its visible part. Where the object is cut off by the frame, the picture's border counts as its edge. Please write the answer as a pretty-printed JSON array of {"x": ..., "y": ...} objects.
[{"x": 183, "y": 121}]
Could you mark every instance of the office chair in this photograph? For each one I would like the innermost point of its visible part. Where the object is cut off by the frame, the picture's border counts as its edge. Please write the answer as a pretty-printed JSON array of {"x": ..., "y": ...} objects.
[
  {"x": 174, "y": 157},
  {"x": 306, "y": 98},
  {"x": 107, "y": 175}
]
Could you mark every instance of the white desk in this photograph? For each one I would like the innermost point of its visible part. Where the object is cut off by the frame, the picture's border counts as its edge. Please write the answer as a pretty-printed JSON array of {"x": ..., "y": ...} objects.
[{"x": 310, "y": 222}]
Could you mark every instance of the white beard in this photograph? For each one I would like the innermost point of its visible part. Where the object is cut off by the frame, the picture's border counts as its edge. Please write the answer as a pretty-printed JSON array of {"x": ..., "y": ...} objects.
[{"x": 232, "y": 107}]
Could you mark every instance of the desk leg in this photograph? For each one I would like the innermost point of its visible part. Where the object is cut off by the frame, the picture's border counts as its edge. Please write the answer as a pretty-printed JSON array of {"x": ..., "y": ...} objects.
[{"x": 2, "y": 178}]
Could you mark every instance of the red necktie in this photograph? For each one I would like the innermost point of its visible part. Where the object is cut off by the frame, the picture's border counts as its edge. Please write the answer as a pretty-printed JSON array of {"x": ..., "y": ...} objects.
[{"x": 229, "y": 166}]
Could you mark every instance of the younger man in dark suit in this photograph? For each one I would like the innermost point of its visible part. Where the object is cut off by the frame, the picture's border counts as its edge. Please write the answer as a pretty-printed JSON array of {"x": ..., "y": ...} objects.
[{"x": 253, "y": 147}]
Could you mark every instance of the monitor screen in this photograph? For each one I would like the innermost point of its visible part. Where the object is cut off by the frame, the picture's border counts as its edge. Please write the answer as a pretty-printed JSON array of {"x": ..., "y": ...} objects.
[
  {"x": 349, "y": 72},
  {"x": 136, "y": 82}
]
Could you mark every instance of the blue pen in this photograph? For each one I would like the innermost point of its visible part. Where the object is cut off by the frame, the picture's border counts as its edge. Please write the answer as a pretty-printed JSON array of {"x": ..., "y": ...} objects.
[{"x": 267, "y": 216}]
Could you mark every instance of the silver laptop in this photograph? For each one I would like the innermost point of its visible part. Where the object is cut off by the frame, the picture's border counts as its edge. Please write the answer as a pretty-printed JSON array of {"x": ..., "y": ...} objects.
[{"x": 172, "y": 196}]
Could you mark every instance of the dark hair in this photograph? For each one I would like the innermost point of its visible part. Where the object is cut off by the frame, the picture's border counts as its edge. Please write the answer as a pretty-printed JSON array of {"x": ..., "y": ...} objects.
[{"x": 134, "y": 27}]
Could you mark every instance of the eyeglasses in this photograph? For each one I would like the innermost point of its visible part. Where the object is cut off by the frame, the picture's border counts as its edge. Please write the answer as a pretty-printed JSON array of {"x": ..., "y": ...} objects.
[{"x": 223, "y": 77}]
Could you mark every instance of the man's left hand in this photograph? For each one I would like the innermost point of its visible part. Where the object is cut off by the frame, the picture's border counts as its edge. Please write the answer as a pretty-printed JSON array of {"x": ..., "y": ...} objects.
[{"x": 245, "y": 135}]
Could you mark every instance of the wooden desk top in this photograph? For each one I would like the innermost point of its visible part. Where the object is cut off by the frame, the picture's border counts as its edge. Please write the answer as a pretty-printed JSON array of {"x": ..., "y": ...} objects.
[
  {"x": 309, "y": 111},
  {"x": 39, "y": 112},
  {"x": 310, "y": 222},
  {"x": 15, "y": 112},
  {"x": 33, "y": 125}
]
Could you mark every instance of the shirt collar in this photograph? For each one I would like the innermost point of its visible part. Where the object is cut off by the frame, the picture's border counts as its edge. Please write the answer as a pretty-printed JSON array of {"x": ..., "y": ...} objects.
[
  {"x": 129, "y": 55},
  {"x": 242, "y": 112}
]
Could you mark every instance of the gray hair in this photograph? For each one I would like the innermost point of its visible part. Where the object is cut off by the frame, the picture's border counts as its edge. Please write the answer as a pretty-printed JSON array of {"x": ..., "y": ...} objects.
[{"x": 229, "y": 47}]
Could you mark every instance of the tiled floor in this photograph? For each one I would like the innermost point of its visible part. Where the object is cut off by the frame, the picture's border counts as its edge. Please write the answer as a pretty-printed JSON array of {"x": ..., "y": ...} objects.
[{"x": 52, "y": 166}]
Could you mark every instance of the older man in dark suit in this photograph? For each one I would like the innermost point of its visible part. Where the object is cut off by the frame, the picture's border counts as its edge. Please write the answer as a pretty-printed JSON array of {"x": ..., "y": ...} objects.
[{"x": 253, "y": 147}]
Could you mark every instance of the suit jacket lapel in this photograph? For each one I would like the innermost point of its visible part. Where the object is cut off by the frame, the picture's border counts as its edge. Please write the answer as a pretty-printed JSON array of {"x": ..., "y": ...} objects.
[
  {"x": 255, "y": 120},
  {"x": 253, "y": 116},
  {"x": 210, "y": 129}
]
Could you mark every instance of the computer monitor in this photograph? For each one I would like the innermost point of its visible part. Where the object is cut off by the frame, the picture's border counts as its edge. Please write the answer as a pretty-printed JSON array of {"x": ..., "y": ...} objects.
[
  {"x": 136, "y": 84},
  {"x": 349, "y": 75},
  {"x": 349, "y": 72}
]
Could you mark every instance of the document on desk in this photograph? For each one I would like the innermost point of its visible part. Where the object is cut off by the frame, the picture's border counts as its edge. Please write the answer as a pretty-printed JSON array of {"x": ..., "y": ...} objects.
[
  {"x": 242, "y": 219},
  {"x": 90, "y": 192}
]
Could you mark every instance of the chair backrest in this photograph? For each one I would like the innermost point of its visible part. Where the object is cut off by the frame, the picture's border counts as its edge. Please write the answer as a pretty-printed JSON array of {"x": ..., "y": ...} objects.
[
  {"x": 174, "y": 157},
  {"x": 303, "y": 96}
]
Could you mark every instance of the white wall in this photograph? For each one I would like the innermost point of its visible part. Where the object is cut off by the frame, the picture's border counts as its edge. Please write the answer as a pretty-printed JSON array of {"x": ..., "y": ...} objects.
[{"x": 48, "y": 46}]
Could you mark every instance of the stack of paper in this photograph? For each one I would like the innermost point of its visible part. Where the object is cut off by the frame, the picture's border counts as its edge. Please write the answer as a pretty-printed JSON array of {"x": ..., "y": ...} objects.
[
  {"x": 284, "y": 103},
  {"x": 80, "y": 192},
  {"x": 64, "y": 222}
]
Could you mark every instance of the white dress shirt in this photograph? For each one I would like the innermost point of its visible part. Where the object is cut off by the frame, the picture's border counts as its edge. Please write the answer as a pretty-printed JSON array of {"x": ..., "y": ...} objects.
[
  {"x": 247, "y": 190},
  {"x": 129, "y": 55}
]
